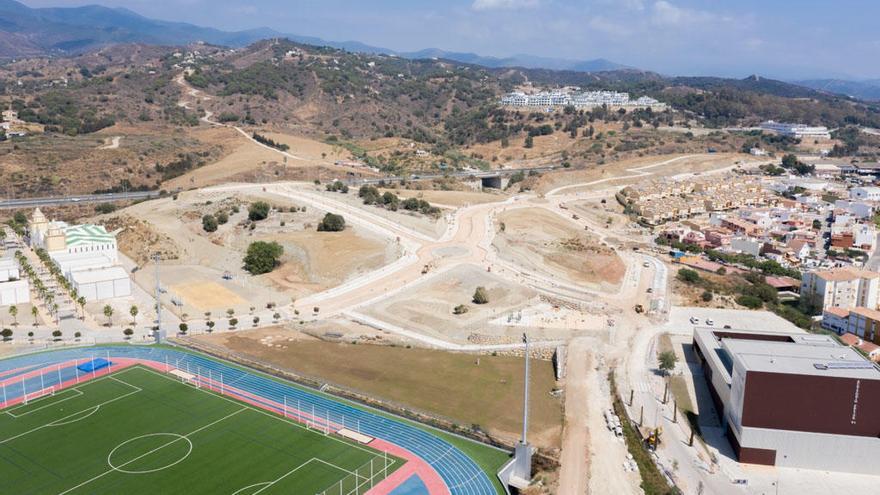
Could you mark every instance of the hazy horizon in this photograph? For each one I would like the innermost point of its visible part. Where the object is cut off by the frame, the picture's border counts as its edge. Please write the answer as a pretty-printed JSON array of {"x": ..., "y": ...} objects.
[{"x": 675, "y": 37}]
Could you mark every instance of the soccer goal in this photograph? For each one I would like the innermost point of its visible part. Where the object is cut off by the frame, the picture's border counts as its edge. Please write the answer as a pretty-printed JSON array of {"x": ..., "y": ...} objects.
[
  {"x": 185, "y": 377},
  {"x": 31, "y": 396}
]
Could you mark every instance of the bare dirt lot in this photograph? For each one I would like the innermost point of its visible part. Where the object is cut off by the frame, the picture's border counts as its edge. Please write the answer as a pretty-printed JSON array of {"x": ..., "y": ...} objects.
[
  {"x": 240, "y": 155},
  {"x": 544, "y": 242},
  {"x": 428, "y": 306},
  {"x": 482, "y": 390},
  {"x": 200, "y": 260},
  {"x": 315, "y": 261}
]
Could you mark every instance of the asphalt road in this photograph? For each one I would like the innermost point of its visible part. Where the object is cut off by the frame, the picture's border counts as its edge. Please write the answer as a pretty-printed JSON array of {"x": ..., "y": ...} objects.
[
  {"x": 475, "y": 174},
  {"x": 85, "y": 198}
]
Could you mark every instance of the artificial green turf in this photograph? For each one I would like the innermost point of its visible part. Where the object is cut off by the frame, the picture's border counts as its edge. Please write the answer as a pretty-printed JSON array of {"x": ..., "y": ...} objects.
[
  {"x": 489, "y": 459},
  {"x": 145, "y": 425}
]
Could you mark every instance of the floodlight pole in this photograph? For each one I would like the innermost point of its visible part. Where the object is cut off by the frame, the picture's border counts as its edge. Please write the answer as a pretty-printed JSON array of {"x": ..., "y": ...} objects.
[
  {"x": 521, "y": 474},
  {"x": 525, "y": 430},
  {"x": 158, "y": 302}
]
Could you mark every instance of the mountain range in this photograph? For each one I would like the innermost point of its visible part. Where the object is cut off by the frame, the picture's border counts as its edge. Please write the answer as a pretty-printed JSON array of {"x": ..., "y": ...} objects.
[
  {"x": 26, "y": 32},
  {"x": 863, "y": 90}
]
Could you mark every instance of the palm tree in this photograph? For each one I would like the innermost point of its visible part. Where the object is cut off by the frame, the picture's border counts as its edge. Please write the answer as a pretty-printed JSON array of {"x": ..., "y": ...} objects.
[
  {"x": 108, "y": 312},
  {"x": 35, "y": 312},
  {"x": 82, "y": 305},
  {"x": 55, "y": 311},
  {"x": 133, "y": 311},
  {"x": 13, "y": 311}
]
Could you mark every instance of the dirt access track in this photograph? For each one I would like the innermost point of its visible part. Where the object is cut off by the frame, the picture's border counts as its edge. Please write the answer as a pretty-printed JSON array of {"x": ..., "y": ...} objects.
[{"x": 466, "y": 236}]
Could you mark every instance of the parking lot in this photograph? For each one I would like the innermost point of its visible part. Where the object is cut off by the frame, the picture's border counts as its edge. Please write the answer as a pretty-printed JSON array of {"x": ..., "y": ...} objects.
[{"x": 680, "y": 324}]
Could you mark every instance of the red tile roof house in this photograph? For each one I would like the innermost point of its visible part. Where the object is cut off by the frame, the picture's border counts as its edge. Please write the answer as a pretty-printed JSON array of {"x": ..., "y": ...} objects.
[{"x": 852, "y": 340}]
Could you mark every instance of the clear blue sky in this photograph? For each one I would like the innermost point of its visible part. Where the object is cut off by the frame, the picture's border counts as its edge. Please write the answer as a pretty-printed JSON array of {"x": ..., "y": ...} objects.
[{"x": 776, "y": 38}]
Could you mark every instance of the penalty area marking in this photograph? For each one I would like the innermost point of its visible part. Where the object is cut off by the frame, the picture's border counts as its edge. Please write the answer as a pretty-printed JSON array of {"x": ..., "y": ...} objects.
[
  {"x": 177, "y": 438},
  {"x": 241, "y": 491},
  {"x": 66, "y": 419},
  {"x": 44, "y": 398}
]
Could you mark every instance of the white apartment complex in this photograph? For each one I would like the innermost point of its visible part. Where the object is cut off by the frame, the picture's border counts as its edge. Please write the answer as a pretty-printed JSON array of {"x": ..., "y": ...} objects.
[
  {"x": 587, "y": 99},
  {"x": 799, "y": 131},
  {"x": 845, "y": 288},
  {"x": 865, "y": 193}
]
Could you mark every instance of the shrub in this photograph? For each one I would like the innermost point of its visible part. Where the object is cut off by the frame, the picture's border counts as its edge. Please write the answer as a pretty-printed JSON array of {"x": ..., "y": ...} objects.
[
  {"x": 262, "y": 257},
  {"x": 706, "y": 296},
  {"x": 222, "y": 217},
  {"x": 369, "y": 194},
  {"x": 750, "y": 302},
  {"x": 689, "y": 276},
  {"x": 209, "y": 223},
  {"x": 337, "y": 186},
  {"x": 481, "y": 296},
  {"x": 332, "y": 223},
  {"x": 460, "y": 309},
  {"x": 105, "y": 208},
  {"x": 258, "y": 211}
]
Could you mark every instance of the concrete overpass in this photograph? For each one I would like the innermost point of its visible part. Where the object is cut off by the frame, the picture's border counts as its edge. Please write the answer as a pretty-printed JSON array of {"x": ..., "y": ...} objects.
[{"x": 495, "y": 179}]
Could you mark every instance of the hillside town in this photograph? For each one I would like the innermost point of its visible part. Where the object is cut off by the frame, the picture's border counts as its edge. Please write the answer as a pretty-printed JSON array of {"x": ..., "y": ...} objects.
[{"x": 579, "y": 99}]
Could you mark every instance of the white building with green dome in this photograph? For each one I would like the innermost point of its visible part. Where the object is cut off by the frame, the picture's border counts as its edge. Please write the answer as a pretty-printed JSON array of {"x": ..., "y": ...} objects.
[{"x": 87, "y": 254}]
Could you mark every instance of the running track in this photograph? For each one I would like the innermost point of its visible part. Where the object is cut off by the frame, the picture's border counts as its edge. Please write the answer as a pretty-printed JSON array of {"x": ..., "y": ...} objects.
[{"x": 457, "y": 471}]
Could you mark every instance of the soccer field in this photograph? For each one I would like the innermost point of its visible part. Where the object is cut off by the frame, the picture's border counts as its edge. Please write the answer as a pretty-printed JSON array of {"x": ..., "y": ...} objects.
[{"x": 138, "y": 431}]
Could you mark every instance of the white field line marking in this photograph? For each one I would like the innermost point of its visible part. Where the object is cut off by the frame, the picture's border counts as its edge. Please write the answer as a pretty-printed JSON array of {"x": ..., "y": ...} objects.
[
  {"x": 266, "y": 413},
  {"x": 90, "y": 412},
  {"x": 60, "y": 421},
  {"x": 147, "y": 471},
  {"x": 269, "y": 485},
  {"x": 24, "y": 406},
  {"x": 356, "y": 476},
  {"x": 116, "y": 468},
  {"x": 242, "y": 489}
]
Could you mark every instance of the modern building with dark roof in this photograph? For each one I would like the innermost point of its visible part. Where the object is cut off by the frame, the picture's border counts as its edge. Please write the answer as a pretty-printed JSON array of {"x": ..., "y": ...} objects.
[{"x": 793, "y": 400}]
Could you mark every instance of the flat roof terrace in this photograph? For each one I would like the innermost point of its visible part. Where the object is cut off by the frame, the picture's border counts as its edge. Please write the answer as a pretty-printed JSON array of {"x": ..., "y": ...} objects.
[{"x": 801, "y": 358}]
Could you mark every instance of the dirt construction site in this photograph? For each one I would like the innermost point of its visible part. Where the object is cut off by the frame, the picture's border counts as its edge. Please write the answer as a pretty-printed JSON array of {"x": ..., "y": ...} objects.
[{"x": 387, "y": 306}]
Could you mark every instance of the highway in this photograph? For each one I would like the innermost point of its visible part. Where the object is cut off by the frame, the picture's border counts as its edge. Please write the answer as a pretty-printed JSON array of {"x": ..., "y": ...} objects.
[
  {"x": 84, "y": 198},
  {"x": 135, "y": 195},
  {"x": 477, "y": 174}
]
